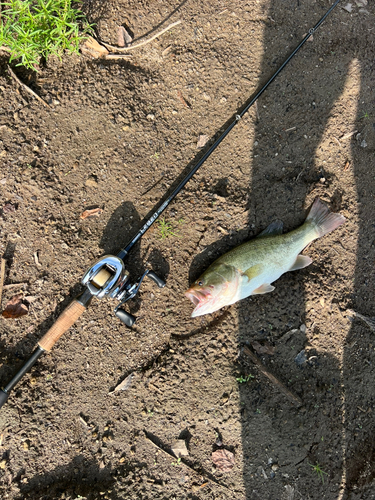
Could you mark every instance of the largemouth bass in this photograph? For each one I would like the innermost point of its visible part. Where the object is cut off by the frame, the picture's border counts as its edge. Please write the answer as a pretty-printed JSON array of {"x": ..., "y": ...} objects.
[{"x": 250, "y": 268}]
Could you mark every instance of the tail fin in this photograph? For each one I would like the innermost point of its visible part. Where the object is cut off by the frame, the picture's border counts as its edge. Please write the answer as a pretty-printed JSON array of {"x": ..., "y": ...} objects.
[{"x": 323, "y": 219}]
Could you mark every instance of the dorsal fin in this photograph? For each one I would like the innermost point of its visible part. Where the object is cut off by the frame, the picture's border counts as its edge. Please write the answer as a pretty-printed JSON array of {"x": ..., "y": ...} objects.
[{"x": 273, "y": 229}]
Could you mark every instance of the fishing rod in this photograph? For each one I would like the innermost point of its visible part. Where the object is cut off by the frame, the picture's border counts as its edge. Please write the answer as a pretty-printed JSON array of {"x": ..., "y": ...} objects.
[{"x": 108, "y": 276}]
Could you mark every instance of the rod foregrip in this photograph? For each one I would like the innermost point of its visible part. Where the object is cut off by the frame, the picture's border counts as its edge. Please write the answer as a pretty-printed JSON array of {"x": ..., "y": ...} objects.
[{"x": 66, "y": 319}]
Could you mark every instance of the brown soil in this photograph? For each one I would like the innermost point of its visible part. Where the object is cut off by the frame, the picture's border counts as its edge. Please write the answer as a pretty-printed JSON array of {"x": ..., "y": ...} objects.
[{"x": 117, "y": 136}]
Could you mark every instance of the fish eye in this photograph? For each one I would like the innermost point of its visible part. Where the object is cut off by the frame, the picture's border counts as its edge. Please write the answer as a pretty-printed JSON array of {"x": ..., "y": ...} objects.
[{"x": 200, "y": 283}]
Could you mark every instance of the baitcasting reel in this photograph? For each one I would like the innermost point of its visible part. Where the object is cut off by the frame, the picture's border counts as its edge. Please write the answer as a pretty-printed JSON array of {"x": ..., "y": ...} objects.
[{"x": 108, "y": 276}]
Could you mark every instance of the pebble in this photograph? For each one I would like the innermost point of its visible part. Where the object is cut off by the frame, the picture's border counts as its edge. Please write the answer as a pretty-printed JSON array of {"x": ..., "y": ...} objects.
[
  {"x": 150, "y": 117},
  {"x": 300, "y": 359},
  {"x": 91, "y": 183}
]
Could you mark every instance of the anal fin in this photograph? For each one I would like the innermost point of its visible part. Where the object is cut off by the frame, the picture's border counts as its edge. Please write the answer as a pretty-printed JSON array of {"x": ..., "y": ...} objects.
[
  {"x": 301, "y": 262},
  {"x": 265, "y": 288}
]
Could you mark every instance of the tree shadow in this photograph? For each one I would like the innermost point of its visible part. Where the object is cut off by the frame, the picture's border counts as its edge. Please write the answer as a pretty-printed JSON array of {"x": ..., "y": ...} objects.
[{"x": 81, "y": 478}]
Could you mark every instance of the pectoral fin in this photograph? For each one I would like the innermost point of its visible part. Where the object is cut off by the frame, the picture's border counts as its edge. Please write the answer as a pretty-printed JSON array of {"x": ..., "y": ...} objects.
[
  {"x": 253, "y": 271},
  {"x": 265, "y": 288},
  {"x": 301, "y": 262}
]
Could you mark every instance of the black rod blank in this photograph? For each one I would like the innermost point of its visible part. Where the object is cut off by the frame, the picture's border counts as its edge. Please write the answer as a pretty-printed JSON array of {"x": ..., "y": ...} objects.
[{"x": 4, "y": 394}]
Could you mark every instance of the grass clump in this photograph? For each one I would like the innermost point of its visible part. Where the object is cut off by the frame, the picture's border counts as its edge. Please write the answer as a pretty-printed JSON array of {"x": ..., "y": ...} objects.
[
  {"x": 167, "y": 229},
  {"x": 319, "y": 471},
  {"x": 244, "y": 380},
  {"x": 35, "y": 29}
]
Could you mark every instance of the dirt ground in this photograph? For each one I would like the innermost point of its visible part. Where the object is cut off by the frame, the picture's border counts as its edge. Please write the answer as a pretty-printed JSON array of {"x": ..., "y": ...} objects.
[{"x": 117, "y": 135}]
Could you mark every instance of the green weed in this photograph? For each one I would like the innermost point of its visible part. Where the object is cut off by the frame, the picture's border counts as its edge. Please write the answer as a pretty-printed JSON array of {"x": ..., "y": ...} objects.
[
  {"x": 32, "y": 29},
  {"x": 167, "y": 230},
  {"x": 318, "y": 470},
  {"x": 243, "y": 380}
]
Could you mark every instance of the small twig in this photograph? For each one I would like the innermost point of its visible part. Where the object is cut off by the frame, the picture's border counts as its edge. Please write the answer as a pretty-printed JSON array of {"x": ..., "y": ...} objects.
[
  {"x": 5, "y": 49},
  {"x": 338, "y": 142},
  {"x": 13, "y": 285},
  {"x": 2, "y": 276},
  {"x": 28, "y": 89},
  {"x": 182, "y": 99},
  {"x": 116, "y": 56},
  {"x": 273, "y": 379},
  {"x": 347, "y": 136},
  {"x": 131, "y": 47}
]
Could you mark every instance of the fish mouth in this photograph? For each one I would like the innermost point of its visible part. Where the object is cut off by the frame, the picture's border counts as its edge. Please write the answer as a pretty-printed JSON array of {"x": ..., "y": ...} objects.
[{"x": 198, "y": 298}]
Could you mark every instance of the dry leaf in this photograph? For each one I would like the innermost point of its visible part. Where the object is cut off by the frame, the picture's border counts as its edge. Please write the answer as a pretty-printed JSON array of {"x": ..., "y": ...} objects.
[
  {"x": 125, "y": 384},
  {"x": 265, "y": 348},
  {"x": 123, "y": 37},
  {"x": 93, "y": 48},
  {"x": 95, "y": 212},
  {"x": 179, "y": 448},
  {"x": 348, "y": 7},
  {"x": 202, "y": 141},
  {"x": 223, "y": 459},
  {"x": 15, "y": 308},
  {"x": 8, "y": 208}
]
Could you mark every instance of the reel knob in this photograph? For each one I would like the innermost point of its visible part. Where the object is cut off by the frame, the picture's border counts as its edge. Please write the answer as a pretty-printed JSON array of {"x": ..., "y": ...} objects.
[
  {"x": 161, "y": 283},
  {"x": 127, "y": 318}
]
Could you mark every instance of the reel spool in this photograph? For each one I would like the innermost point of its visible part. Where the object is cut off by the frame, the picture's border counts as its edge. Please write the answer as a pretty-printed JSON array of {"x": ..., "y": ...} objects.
[{"x": 108, "y": 276}]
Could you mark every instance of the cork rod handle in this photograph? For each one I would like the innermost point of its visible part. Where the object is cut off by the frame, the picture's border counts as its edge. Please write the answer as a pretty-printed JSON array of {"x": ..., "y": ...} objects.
[{"x": 66, "y": 319}]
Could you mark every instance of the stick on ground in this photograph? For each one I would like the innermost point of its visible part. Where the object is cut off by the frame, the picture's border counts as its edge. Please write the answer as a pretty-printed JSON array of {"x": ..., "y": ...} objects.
[
  {"x": 28, "y": 89},
  {"x": 131, "y": 47},
  {"x": 271, "y": 377},
  {"x": 2, "y": 275}
]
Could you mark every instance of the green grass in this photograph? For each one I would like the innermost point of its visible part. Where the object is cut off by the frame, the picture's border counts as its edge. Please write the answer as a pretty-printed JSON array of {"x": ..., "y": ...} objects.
[
  {"x": 243, "y": 380},
  {"x": 32, "y": 29},
  {"x": 167, "y": 230},
  {"x": 318, "y": 470}
]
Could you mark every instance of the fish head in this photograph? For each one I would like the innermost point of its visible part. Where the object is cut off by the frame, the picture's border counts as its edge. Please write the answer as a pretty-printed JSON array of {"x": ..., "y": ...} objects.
[{"x": 215, "y": 289}]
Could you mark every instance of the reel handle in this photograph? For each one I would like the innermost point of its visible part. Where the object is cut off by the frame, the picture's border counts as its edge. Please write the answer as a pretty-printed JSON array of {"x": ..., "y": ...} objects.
[
  {"x": 161, "y": 283},
  {"x": 125, "y": 317}
]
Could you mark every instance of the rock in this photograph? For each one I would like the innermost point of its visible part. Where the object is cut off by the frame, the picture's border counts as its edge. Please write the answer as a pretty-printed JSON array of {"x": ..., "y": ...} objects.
[
  {"x": 348, "y": 7},
  {"x": 91, "y": 182},
  {"x": 202, "y": 140},
  {"x": 300, "y": 359}
]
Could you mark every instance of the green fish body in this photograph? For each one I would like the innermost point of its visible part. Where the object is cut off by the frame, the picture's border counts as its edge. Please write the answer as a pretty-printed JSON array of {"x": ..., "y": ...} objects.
[{"x": 250, "y": 268}]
